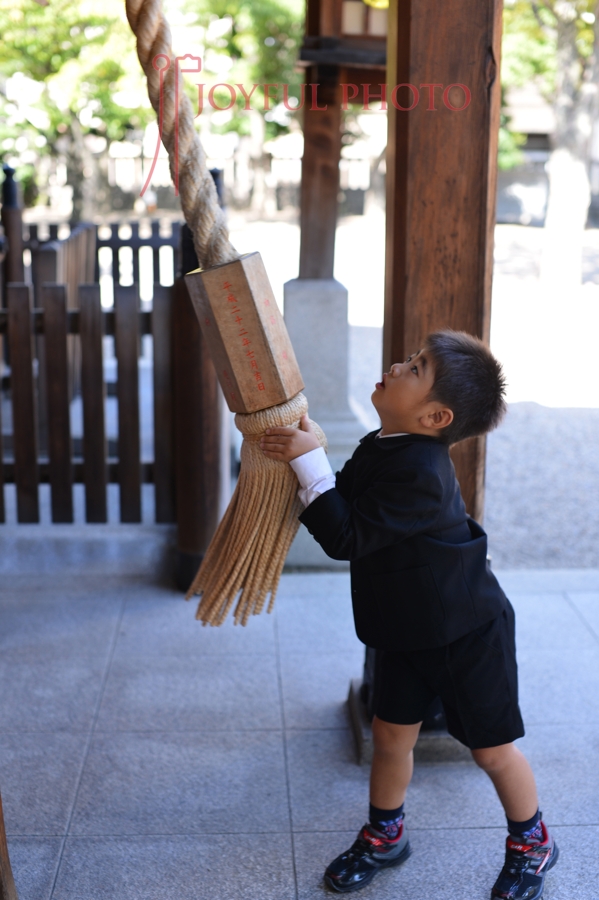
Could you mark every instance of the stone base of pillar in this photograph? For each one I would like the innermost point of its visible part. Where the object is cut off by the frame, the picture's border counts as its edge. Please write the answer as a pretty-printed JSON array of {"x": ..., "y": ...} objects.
[{"x": 316, "y": 318}]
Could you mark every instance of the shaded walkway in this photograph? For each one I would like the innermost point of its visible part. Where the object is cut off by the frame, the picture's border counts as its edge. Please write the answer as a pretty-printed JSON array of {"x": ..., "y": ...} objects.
[{"x": 143, "y": 757}]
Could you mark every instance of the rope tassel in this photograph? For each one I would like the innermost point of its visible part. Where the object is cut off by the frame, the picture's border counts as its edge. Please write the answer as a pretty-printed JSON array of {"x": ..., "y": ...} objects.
[{"x": 247, "y": 553}]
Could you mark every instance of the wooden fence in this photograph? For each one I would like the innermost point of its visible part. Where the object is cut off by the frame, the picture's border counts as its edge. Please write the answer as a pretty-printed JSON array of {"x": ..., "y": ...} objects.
[
  {"x": 94, "y": 467},
  {"x": 190, "y": 467},
  {"x": 54, "y": 333},
  {"x": 75, "y": 259}
]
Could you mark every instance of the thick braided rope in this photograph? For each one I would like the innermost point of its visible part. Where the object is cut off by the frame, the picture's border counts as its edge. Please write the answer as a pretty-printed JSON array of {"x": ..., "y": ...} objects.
[
  {"x": 248, "y": 550},
  {"x": 247, "y": 553},
  {"x": 199, "y": 200}
]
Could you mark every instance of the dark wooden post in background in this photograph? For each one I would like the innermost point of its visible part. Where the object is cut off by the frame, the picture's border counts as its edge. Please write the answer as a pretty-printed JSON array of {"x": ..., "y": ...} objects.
[
  {"x": 54, "y": 303},
  {"x": 20, "y": 341},
  {"x": 198, "y": 429},
  {"x": 162, "y": 329},
  {"x": 12, "y": 222},
  {"x": 441, "y": 184},
  {"x": 126, "y": 306},
  {"x": 93, "y": 392},
  {"x": 320, "y": 172}
]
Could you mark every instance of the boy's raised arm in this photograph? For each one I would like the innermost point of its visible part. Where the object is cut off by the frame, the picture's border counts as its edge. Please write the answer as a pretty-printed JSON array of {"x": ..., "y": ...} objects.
[{"x": 387, "y": 512}]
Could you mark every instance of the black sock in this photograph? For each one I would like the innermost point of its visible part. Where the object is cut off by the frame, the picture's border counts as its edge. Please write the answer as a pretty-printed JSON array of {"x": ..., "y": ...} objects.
[
  {"x": 530, "y": 828},
  {"x": 387, "y": 821}
]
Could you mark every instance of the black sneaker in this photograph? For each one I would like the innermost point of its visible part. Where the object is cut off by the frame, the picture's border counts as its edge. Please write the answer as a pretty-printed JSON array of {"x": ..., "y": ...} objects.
[
  {"x": 526, "y": 864},
  {"x": 370, "y": 852}
]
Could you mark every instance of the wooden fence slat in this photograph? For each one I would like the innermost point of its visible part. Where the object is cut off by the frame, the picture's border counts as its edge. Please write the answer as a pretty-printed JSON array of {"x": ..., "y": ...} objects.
[
  {"x": 156, "y": 250},
  {"x": 54, "y": 303},
  {"x": 135, "y": 250},
  {"x": 46, "y": 266},
  {"x": 164, "y": 474},
  {"x": 126, "y": 304},
  {"x": 90, "y": 254},
  {"x": 92, "y": 390},
  {"x": 20, "y": 340},
  {"x": 114, "y": 233}
]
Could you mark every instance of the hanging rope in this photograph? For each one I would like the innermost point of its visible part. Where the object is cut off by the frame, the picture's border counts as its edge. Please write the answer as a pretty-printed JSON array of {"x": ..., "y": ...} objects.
[
  {"x": 246, "y": 556},
  {"x": 199, "y": 200}
]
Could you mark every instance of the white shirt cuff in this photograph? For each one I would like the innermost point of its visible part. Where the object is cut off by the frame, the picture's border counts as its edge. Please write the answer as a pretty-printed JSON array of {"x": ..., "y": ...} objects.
[{"x": 314, "y": 474}]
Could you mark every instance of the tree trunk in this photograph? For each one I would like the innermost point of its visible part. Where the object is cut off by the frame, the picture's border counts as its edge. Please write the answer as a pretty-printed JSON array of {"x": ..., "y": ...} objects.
[
  {"x": 81, "y": 172},
  {"x": 569, "y": 187}
]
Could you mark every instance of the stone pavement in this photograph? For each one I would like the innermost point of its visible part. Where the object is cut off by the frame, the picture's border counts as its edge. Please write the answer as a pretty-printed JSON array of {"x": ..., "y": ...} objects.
[{"x": 143, "y": 757}]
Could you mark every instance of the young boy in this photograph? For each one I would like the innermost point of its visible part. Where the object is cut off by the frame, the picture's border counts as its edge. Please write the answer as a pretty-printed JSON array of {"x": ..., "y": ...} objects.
[{"x": 424, "y": 597}]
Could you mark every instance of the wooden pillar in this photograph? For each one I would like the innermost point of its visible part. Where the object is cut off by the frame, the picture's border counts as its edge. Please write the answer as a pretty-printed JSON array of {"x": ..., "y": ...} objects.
[
  {"x": 441, "y": 184},
  {"x": 320, "y": 172},
  {"x": 198, "y": 431},
  {"x": 197, "y": 438}
]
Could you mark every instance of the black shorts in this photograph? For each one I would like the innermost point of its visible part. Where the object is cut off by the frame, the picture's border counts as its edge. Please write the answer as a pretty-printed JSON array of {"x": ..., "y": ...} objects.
[{"x": 476, "y": 678}]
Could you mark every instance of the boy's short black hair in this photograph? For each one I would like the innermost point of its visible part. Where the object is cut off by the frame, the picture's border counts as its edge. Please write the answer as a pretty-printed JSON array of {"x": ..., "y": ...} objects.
[{"x": 468, "y": 380}]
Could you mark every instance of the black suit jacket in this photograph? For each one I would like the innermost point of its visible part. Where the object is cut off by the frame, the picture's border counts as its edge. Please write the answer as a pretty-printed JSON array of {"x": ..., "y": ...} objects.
[{"x": 418, "y": 562}]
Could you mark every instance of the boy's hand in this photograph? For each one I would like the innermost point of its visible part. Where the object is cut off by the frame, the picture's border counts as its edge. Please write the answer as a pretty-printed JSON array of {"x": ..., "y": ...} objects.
[{"x": 286, "y": 444}]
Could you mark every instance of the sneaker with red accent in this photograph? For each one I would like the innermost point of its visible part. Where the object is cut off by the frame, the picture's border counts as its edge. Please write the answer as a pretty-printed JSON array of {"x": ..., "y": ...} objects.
[
  {"x": 527, "y": 861},
  {"x": 369, "y": 853}
]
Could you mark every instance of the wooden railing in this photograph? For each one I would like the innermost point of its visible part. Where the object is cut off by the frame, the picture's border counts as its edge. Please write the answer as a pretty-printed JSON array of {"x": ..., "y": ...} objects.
[
  {"x": 75, "y": 258},
  {"x": 54, "y": 337},
  {"x": 95, "y": 467}
]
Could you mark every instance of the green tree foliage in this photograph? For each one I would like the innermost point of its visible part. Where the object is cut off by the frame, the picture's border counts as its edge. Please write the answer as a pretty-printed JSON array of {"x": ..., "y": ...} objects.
[
  {"x": 39, "y": 40},
  {"x": 70, "y": 49},
  {"x": 550, "y": 43},
  {"x": 262, "y": 39}
]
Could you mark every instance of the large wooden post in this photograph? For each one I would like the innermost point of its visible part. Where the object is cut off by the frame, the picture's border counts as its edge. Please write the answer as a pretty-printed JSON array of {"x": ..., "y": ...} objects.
[
  {"x": 320, "y": 172},
  {"x": 200, "y": 451},
  {"x": 441, "y": 183}
]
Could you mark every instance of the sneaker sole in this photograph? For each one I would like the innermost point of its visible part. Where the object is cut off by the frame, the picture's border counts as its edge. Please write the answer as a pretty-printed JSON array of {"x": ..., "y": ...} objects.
[{"x": 407, "y": 850}]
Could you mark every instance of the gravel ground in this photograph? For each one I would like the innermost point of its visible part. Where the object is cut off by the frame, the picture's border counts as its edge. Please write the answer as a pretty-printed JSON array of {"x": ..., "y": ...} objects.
[{"x": 542, "y": 493}]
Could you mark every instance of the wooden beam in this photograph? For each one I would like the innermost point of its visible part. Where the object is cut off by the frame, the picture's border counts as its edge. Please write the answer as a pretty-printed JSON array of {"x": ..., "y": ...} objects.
[
  {"x": 320, "y": 172},
  {"x": 441, "y": 182}
]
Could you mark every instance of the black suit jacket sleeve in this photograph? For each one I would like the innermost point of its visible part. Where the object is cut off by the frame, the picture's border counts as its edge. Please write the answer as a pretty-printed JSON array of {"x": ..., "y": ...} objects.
[
  {"x": 388, "y": 511},
  {"x": 344, "y": 478}
]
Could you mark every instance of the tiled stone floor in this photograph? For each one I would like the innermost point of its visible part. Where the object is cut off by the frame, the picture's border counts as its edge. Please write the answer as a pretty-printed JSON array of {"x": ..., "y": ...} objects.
[{"x": 143, "y": 757}]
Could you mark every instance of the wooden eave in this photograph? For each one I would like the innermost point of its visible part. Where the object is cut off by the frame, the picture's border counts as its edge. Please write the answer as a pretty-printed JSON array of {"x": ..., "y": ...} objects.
[{"x": 357, "y": 52}]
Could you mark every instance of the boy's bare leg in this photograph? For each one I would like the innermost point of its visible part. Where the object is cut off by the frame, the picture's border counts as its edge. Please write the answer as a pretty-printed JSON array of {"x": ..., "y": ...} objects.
[
  {"x": 392, "y": 762},
  {"x": 512, "y": 777},
  {"x": 376, "y": 846}
]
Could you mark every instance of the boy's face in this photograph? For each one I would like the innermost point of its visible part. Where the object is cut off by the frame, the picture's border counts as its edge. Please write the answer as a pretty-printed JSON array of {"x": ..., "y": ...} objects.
[{"x": 402, "y": 398}]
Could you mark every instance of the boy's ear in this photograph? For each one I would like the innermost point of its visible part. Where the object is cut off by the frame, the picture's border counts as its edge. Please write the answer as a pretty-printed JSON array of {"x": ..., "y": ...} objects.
[{"x": 438, "y": 419}]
